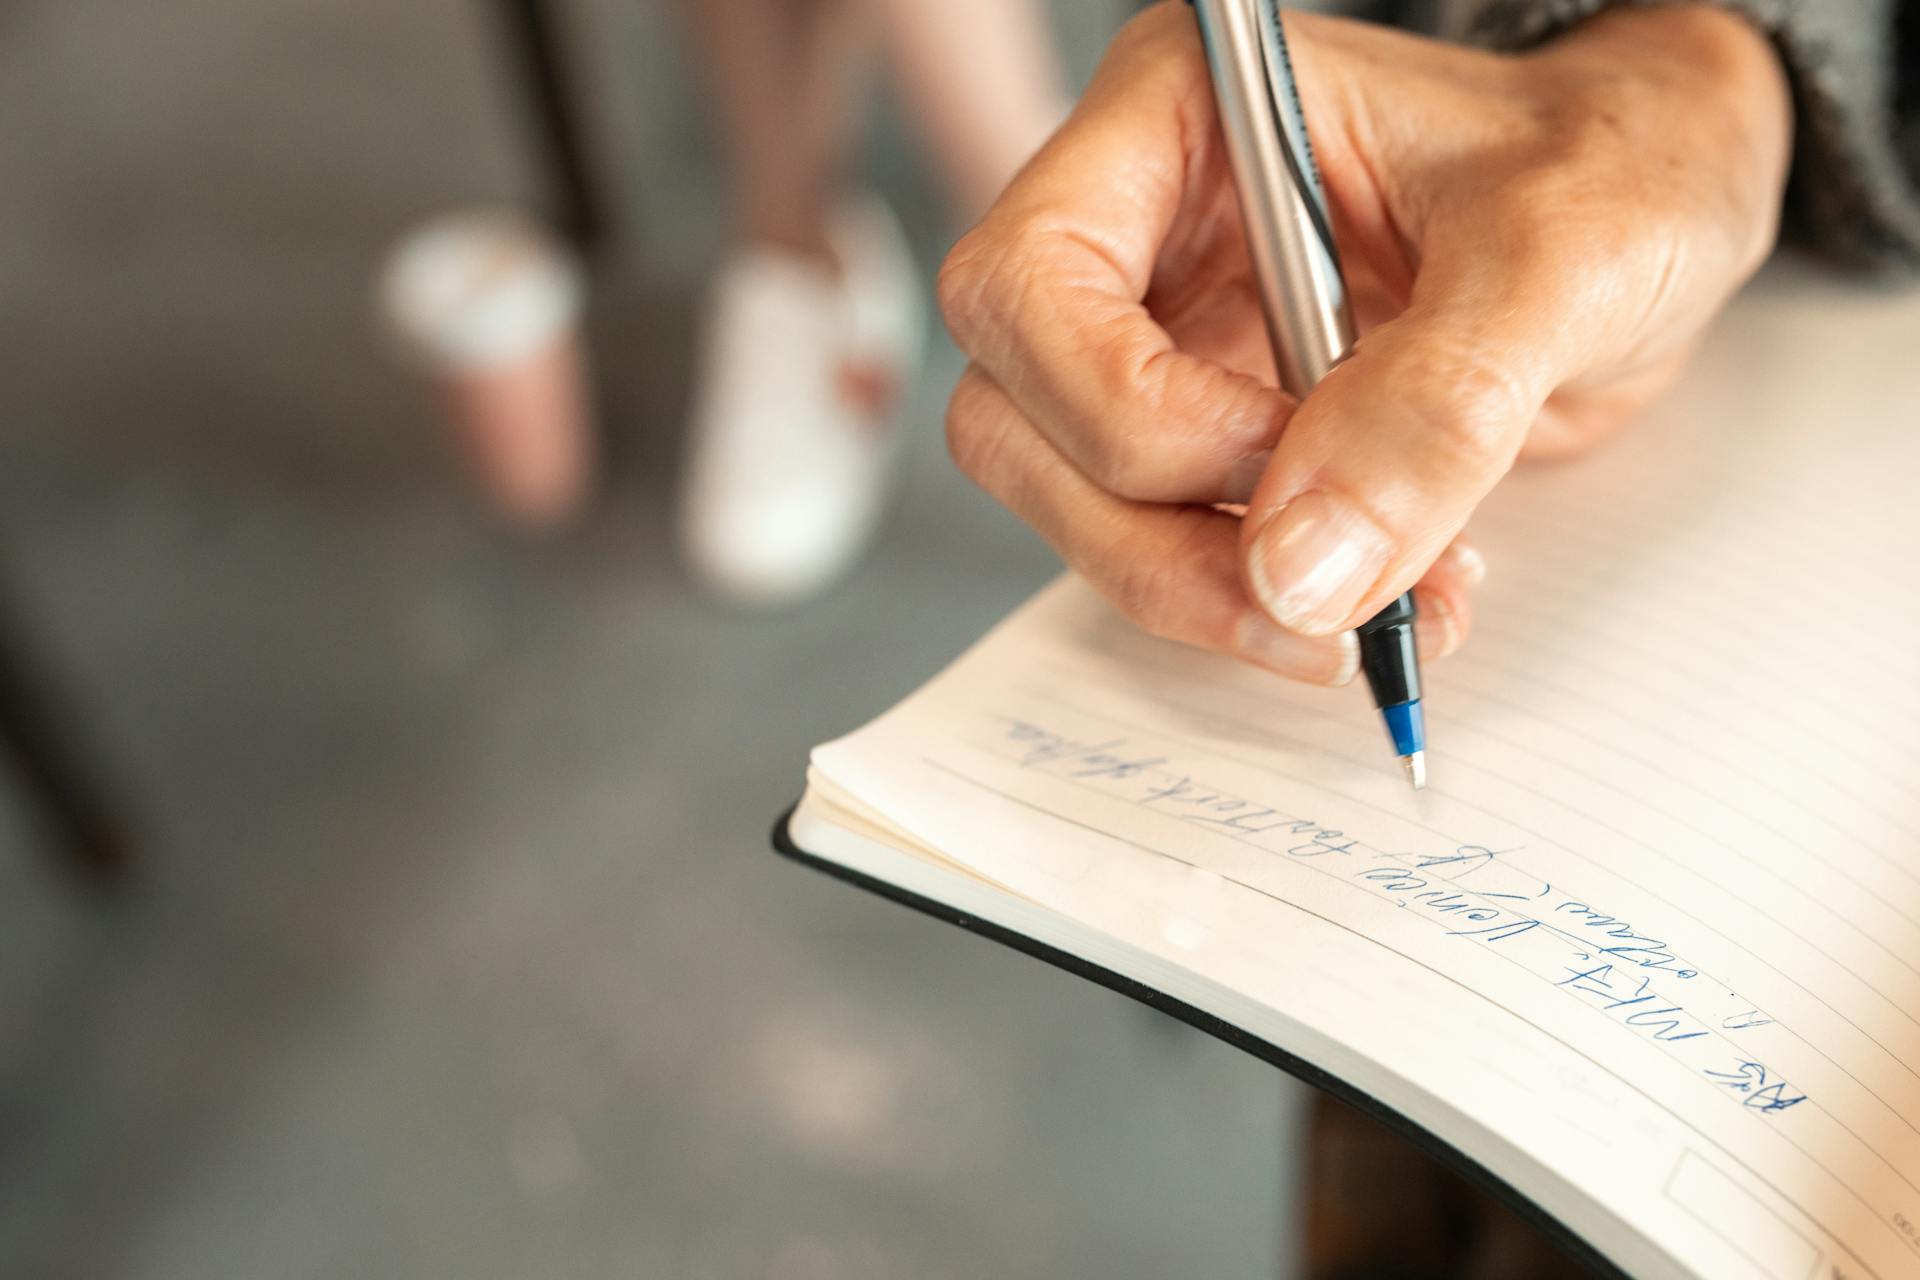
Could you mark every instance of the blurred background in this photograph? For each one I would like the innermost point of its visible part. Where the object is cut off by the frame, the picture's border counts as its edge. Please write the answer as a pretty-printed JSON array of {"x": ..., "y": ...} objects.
[{"x": 447, "y": 939}]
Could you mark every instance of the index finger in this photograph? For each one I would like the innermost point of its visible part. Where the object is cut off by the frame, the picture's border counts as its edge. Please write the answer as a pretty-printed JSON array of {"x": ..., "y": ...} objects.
[{"x": 1048, "y": 294}]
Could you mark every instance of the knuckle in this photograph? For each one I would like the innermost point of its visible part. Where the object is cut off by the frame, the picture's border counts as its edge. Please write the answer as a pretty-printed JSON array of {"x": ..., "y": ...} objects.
[
  {"x": 1143, "y": 588},
  {"x": 985, "y": 285},
  {"x": 961, "y": 282},
  {"x": 1478, "y": 406},
  {"x": 1024, "y": 250},
  {"x": 970, "y": 435},
  {"x": 1153, "y": 434},
  {"x": 1120, "y": 462},
  {"x": 1479, "y": 429},
  {"x": 1163, "y": 584}
]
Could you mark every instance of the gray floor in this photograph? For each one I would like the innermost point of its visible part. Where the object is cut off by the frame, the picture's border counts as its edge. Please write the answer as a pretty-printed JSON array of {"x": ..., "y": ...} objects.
[{"x": 458, "y": 950}]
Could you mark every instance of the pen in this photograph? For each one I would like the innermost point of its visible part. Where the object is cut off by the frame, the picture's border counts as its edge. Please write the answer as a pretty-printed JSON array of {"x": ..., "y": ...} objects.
[{"x": 1290, "y": 242}]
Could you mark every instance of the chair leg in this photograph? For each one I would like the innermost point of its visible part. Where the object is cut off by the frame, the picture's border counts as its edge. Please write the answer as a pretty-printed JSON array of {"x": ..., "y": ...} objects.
[
  {"x": 552, "y": 100},
  {"x": 68, "y": 799}
]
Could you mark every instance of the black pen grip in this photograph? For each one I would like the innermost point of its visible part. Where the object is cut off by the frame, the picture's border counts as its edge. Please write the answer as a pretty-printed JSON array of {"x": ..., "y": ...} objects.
[{"x": 1387, "y": 653}]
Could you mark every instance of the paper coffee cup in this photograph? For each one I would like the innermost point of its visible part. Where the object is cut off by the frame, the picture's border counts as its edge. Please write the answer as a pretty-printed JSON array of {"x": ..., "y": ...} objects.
[{"x": 487, "y": 306}]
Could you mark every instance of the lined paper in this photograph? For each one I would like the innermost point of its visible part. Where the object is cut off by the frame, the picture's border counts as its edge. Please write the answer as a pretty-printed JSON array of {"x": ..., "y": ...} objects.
[{"x": 1649, "y": 946}]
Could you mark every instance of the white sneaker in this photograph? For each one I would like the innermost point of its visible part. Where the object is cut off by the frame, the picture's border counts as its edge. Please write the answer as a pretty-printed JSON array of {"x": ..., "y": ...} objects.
[{"x": 792, "y": 434}]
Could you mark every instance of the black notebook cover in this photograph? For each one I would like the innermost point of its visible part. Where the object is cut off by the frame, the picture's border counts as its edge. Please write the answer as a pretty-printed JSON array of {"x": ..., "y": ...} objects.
[{"x": 1578, "y": 1251}]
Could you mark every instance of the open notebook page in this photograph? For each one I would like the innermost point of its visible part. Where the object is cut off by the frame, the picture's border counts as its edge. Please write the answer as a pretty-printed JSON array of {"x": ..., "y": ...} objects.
[{"x": 1649, "y": 946}]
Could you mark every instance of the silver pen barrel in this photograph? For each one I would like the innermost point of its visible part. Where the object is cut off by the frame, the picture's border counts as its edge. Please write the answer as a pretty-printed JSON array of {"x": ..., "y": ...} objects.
[{"x": 1289, "y": 232}]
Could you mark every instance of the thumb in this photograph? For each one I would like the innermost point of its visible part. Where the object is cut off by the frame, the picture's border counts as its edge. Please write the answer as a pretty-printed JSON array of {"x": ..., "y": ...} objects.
[{"x": 1381, "y": 466}]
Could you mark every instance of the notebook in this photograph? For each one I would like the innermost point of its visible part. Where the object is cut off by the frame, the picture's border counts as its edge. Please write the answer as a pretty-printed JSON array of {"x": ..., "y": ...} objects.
[{"x": 1646, "y": 954}]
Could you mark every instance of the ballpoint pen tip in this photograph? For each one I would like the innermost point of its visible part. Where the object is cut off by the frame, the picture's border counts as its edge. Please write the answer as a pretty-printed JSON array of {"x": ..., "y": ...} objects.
[{"x": 1416, "y": 767}]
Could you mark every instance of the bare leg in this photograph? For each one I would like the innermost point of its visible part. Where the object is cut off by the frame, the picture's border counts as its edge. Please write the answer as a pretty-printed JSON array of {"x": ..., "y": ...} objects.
[
  {"x": 786, "y": 77},
  {"x": 982, "y": 82},
  {"x": 812, "y": 317}
]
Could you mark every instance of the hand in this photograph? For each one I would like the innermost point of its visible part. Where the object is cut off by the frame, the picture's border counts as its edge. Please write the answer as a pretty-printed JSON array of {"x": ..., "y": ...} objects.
[{"x": 1533, "y": 245}]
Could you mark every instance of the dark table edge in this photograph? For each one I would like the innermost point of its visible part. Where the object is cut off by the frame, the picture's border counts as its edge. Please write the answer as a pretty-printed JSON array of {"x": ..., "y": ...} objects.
[{"x": 1575, "y": 1247}]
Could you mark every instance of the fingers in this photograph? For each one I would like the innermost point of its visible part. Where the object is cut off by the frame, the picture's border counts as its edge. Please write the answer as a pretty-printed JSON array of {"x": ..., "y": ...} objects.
[
  {"x": 1444, "y": 599},
  {"x": 1088, "y": 418},
  {"x": 1384, "y": 462},
  {"x": 1175, "y": 571},
  {"x": 1349, "y": 503},
  {"x": 1047, "y": 294}
]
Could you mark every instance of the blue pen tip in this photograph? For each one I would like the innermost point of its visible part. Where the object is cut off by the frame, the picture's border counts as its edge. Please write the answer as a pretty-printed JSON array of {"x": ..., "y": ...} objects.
[{"x": 1407, "y": 726}]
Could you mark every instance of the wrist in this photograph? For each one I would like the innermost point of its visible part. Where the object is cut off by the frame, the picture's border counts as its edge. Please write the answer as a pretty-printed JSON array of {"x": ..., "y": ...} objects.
[
  {"x": 1695, "y": 91},
  {"x": 1698, "y": 51},
  {"x": 1676, "y": 38}
]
